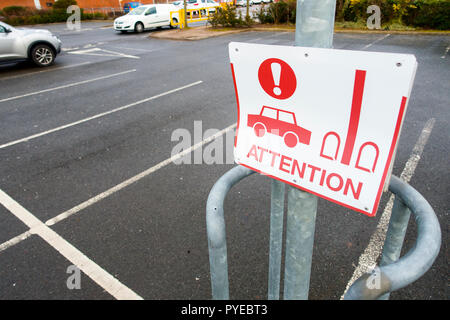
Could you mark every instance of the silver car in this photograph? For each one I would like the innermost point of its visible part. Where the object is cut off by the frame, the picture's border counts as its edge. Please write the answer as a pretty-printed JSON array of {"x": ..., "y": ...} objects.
[{"x": 37, "y": 45}]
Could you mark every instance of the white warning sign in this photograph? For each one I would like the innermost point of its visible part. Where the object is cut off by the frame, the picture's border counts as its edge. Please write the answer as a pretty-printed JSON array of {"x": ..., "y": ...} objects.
[{"x": 326, "y": 121}]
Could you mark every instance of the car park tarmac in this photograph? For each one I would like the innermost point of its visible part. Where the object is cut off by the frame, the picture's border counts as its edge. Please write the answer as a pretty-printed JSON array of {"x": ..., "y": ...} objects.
[{"x": 88, "y": 175}]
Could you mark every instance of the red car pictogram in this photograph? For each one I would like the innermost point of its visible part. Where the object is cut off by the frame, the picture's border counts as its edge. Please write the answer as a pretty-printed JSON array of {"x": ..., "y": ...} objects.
[{"x": 281, "y": 123}]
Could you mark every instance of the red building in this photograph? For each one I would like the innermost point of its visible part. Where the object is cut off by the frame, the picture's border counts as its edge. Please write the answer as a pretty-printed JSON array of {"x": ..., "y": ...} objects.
[{"x": 46, "y": 4}]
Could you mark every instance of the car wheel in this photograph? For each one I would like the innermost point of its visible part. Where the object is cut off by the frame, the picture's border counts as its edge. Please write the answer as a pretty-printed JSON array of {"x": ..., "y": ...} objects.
[
  {"x": 259, "y": 129},
  {"x": 175, "y": 21},
  {"x": 290, "y": 139},
  {"x": 139, "y": 27},
  {"x": 42, "y": 55}
]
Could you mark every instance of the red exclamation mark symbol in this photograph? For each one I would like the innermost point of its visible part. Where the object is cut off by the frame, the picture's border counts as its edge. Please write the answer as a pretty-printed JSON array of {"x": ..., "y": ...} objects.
[
  {"x": 358, "y": 90},
  {"x": 277, "y": 78},
  {"x": 276, "y": 73}
]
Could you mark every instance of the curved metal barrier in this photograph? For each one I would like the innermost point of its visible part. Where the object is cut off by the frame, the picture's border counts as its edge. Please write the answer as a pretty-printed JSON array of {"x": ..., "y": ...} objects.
[
  {"x": 394, "y": 273},
  {"x": 418, "y": 260},
  {"x": 215, "y": 225}
]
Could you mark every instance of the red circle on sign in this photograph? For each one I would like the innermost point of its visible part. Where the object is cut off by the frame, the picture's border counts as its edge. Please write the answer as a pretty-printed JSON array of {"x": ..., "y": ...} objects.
[{"x": 277, "y": 78}]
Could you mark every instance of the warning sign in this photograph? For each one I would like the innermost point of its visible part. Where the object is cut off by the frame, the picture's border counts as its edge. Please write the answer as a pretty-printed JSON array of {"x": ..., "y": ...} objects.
[{"x": 324, "y": 120}]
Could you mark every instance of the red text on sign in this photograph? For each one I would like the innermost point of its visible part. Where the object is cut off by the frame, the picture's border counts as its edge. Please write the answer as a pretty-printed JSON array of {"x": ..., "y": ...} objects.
[{"x": 314, "y": 174}]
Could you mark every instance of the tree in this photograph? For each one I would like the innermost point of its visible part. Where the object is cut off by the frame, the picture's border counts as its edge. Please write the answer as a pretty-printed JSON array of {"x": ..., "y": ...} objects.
[{"x": 63, "y": 4}]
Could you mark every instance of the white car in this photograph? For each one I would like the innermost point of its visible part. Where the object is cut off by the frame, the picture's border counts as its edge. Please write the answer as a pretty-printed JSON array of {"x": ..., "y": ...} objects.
[
  {"x": 146, "y": 17},
  {"x": 243, "y": 3},
  {"x": 178, "y": 4},
  {"x": 199, "y": 4},
  {"x": 37, "y": 45}
]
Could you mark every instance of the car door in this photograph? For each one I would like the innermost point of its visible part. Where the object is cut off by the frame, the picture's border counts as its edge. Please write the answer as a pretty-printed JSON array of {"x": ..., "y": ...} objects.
[
  {"x": 150, "y": 17},
  {"x": 162, "y": 16},
  {"x": 8, "y": 47}
]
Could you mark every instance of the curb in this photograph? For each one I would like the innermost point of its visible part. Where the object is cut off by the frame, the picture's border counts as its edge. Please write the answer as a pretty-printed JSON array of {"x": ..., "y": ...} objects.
[
  {"x": 190, "y": 35},
  {"x": 413, "y": 32},
  {"x": 344, "y": 30}
]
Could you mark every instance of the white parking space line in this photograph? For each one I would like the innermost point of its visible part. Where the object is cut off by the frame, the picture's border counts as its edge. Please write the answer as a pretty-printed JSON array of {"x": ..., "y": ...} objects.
[
  {"x": 68, "y": 85},
  {"x": 69, "y": 48},
  {"x": 86, "y": 46},
  {"x": 72, "y": 32},
  {"x": 15, "y": 240},
  {"x": 276, "y": 35},
  {"x": 368, "y": 259},
  {"x": 376, "y": 41},
  {"x": 89, "y": 267},
  {"x": 37, "y": 135},
  {"x": 135, "y": 49},
  {"x": 103, "y": 53},
  {"x": 46, "y": 70},
  {"x": 136, "y": 178},
  {"x": 445, "y": 53},
  {"x": 117, "y": 188}
]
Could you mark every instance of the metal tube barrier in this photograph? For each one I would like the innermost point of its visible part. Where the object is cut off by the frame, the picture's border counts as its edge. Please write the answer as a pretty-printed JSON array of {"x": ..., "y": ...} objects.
[
  {"x": 395, "y": 235},
  {"x": 215, "y": 225},
  {"x": 392, "y": 276},
  {"x": 418, "y": 260}
]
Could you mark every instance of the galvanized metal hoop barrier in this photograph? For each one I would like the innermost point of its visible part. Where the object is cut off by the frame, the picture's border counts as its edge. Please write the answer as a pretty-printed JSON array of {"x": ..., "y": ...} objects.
[{"x": 394, "y": 273}]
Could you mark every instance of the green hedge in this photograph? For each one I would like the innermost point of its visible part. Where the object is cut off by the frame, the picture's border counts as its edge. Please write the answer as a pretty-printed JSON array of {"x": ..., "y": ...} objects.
[
  {"x": 227, "y": 18},
  {"x": 63, "y": 4},
  {"x": 433, "y": 14},
  {"x": 429, "y": 14},
  {"x": 16, "y": 15},
  {"x": 278, "y": 12}
]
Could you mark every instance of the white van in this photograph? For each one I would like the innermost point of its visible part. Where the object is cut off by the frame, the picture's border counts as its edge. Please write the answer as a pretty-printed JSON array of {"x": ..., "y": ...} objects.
[{"x": 146, "y": 17}]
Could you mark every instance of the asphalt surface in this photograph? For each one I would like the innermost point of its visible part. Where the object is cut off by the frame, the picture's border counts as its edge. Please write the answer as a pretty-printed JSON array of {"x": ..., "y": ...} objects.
[{"x": 151, "y": 234}]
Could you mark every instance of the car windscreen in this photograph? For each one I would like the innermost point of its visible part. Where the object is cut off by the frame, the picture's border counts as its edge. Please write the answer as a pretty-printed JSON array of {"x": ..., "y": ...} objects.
[
  {"x": 269, "y": 112},
  {"x": 7, "y": 26},
  {"x": 286, "y": 117},
  {"x": 137, "y": 11}
]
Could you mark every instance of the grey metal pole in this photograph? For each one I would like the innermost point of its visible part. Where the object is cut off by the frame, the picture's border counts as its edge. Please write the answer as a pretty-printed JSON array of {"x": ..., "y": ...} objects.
[
  {"x": 300, "y": 227},
  {"x": 276, "y": 238},
  {"x": 315, "y": 23},
  {"x": 314, "y": 28},
  {"x": 395, "y": 235}
]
